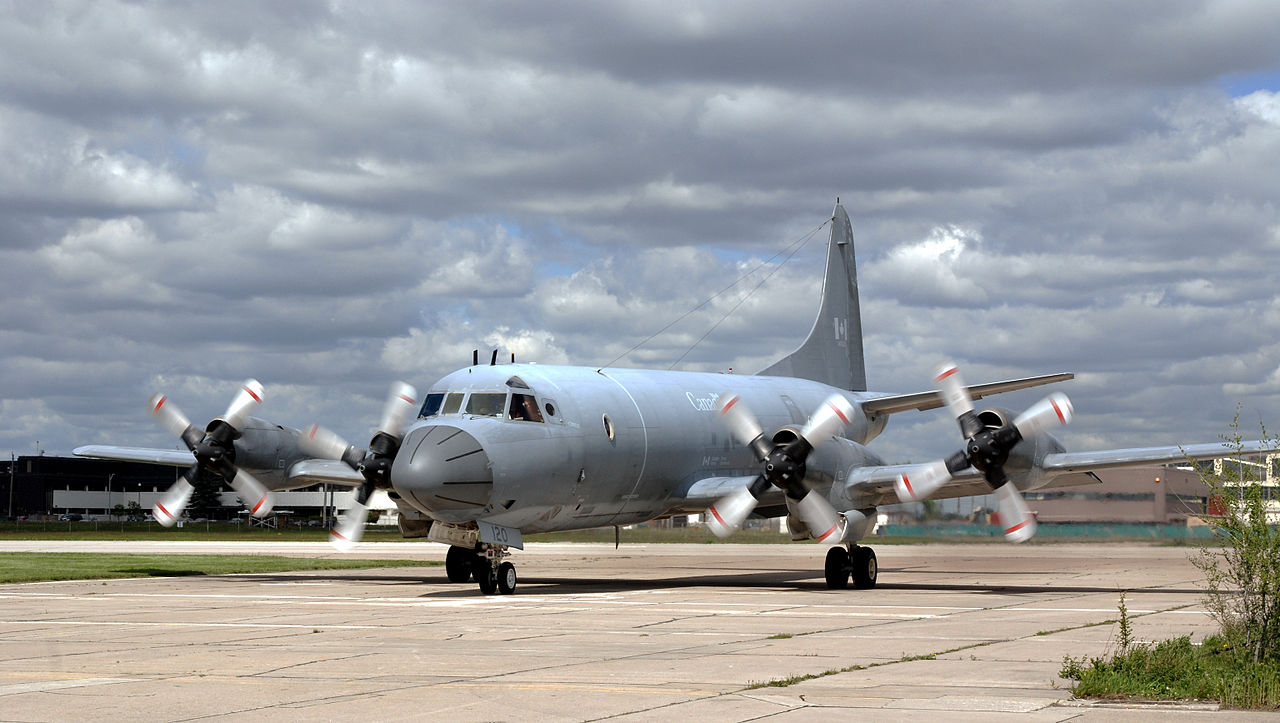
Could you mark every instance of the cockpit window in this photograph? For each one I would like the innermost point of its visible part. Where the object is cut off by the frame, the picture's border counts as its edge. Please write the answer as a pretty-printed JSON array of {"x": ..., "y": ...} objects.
[
  {"x": 431, "y": 407},
  {"x": 452, "y": 404},
  {"x": 517, "y": 383},
  {"x": 524, "y": 408},
  {"x": 484, "y": 404}
]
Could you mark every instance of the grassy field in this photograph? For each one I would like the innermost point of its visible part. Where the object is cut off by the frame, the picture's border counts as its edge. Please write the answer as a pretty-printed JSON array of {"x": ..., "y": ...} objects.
[
  {"x": 222, "y": 531},
  {"x": 43, "y": 566}
]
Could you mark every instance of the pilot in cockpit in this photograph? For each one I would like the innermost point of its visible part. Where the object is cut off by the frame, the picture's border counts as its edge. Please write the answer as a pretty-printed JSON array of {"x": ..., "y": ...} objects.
[{"x": 525, "y": 408}]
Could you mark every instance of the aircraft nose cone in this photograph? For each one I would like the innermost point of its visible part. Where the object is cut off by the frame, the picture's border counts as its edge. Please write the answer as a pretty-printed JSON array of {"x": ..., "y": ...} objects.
[{"x": 442, "y": 468}]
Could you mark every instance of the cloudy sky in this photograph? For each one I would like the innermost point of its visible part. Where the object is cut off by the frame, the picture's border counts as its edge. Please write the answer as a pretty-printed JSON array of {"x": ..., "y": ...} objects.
[{"x": 332, "y": 197}]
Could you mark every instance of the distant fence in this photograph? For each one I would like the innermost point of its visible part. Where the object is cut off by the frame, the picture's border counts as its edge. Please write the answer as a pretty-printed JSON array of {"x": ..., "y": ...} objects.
[{"x": 1089, "y": 531}]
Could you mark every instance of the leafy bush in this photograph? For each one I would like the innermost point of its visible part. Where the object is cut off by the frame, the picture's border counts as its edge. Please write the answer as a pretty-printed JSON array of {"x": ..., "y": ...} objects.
[{"x": 1243, "y": 575}]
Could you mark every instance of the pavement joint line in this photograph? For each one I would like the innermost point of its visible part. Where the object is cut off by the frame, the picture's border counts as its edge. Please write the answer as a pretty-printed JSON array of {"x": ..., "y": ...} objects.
[
  {"x": 52, "y": 685},
  {"x": 142, "y": 623}
]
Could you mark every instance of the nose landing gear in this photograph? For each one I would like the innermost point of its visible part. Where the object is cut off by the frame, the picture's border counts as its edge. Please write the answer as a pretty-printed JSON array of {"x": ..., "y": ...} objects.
[{"x": 490, "y": 570}]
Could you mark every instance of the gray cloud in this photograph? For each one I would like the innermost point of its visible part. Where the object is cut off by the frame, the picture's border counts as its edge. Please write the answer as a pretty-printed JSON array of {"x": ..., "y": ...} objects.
[{"x": 328, "y": 197}]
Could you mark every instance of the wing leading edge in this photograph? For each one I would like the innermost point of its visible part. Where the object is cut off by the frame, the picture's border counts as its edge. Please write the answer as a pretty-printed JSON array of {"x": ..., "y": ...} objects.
[
  {"x": 1060, "y": 463},
  {"x": 874, "y": 485},
  {"x": 303, "y": 473},
  {"x": 921, "y": 401},
  {"x": 169, "y": 457}
]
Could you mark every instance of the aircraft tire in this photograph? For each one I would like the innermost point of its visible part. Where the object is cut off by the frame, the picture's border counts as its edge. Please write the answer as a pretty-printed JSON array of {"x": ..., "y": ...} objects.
[
  {"x": 837, "y": 568},
  {"x": 457, "y": 563},
  {"x": 506, "y": 578},
  {"x": 865, "y": 568},
  {"x": 485, "y": 577}
]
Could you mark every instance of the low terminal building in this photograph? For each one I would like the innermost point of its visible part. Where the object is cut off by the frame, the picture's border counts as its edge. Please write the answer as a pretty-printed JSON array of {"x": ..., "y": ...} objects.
[
  {"x": 38, "y": 486},
  {"x": 1159, "y": 495}
]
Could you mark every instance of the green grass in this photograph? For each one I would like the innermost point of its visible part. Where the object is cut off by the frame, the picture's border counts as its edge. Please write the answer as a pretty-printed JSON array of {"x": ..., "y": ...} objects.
[
  {"x": 1178, "y": 669},
  {"x": 221, "y": 531},
  {"x": 44, "y": 566},
  {"x": 224, "y": 531}
]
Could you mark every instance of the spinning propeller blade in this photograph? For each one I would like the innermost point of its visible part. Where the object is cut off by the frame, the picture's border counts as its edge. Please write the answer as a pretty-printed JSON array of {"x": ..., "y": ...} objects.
[
  {"x": 245, "y": 403},
  {"x": 922, "y": 482},
  {"x": 350, "y": 527},
  {"x": 400, "y": 406},
  {"x": 174, "y": 500},
  {"x": 252, "y": 493},
  {"x": 986, "y": 449},
  {"x": 214, "y": 452},
  {"x": 373, "y": 463},
  {"x": 783, "y": 467},
  {"x": 324, "y": 444},
  {"x": 1015, "y": 519},
  {"x": 1054, "y": 409},
  {"x": 954, "y": 392},
  {"x": 168, "y": 415}
]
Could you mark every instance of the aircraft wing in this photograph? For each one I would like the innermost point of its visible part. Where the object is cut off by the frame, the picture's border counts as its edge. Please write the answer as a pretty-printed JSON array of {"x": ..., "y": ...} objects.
[
  {"x": 302, "y": 474},
  {"x": 322, "y": 471},
  {"x": 874, "y": 486},
  {"x": 705, "y": 492},
  {"x": 1061, "y": 463},
  {"x": 170, "y": 457},
  {"x": 921, "y": 401}
]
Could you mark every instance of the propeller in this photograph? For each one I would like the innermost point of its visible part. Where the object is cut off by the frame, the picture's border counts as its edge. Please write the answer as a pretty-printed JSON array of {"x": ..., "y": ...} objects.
[
  {"x": 214, "y": 451},
  {"x": 374, "y": 463},
  {"x": 986, "y": 449},
  {"x": 783, "y": 466}
]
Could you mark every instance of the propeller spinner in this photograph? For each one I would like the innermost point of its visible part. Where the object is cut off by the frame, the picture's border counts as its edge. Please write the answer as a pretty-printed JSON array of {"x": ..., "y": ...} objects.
[
  {"x": 986, "y": 449},
  {"x": 374, "y": 463},
  {"x": 214, "y": 451},
  {"x": 782, "y": 466}
]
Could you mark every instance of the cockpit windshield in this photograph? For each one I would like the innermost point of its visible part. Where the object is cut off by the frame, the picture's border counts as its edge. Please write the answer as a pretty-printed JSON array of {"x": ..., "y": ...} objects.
[
  {"x": 517, "y": 405},
  {"x": 431, "y": 407},
  {"x": 485, "y": 404}
]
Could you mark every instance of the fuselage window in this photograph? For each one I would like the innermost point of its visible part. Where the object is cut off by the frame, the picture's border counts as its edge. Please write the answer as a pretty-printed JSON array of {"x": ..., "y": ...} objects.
[
  {"x": 524, "y": 408},
  {"x": 484, "y": 404},
  {"x": 452, "y": 404},
  {"x": 431, "y": 406}
]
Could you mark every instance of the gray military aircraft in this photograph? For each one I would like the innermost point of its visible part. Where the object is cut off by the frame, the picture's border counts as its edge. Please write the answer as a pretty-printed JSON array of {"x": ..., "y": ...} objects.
[{"x": 498, "y": 451}]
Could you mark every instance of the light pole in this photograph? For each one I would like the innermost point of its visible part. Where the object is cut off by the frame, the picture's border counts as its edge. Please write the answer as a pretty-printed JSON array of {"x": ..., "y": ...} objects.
[
  {"x": 12, "y": 462},
  {"x": 110, "y": 478}
]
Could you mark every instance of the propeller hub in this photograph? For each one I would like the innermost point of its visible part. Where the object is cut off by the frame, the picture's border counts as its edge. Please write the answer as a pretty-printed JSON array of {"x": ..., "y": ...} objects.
[
  {"x": 989, "y": 449},
  {"x": 377, "y": 470},
  {"x": 783, "y": 471}
]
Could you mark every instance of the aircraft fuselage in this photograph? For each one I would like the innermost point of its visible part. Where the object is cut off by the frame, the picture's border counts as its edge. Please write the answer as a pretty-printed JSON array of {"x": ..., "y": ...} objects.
[{"x": 604, "y": 447}]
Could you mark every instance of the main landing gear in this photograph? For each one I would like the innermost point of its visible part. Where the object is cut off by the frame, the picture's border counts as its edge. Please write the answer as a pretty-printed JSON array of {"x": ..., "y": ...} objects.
[
  {"x": 485, "y": 564},
  {"x": 851, "y": 562}
]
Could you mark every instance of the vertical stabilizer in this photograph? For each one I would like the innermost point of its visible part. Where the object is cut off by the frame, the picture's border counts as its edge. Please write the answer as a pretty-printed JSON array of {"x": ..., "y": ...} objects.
[{"x": 833, "y": 352}]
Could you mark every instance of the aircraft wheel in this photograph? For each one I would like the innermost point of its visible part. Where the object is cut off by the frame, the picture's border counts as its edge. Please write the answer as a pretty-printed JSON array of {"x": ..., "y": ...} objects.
[
  {"x": 485, "y": 577},
  {"x": 837, "y": 568},
  {"x": 457, "y": 563},
  {"x": 506, "y": 578},
  {"x": 865, "y": 569}
]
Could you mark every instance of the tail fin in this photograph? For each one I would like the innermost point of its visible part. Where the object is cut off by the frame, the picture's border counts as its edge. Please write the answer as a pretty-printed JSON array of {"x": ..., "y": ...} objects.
[{"x": 833, "y": 352}]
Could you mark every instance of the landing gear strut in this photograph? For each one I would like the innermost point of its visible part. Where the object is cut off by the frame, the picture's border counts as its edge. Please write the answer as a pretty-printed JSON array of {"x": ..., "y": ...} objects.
[
  {"x": 489, "y": 570},
  {"x": 856, "y": 562}
]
